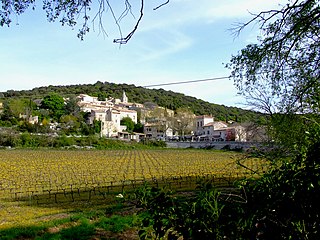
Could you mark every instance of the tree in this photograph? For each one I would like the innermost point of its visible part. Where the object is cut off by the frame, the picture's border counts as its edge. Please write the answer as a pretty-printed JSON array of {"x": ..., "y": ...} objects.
[
  {"x": 127, "y": 121},
  {"x": 183, "y": 121},
  {"x": 15, "y": 107},
  {"x": 281, "y": 76},
  {"x": 138, "y": 127},
  {"x": 9, "y": 111},
  {"x": 284, "y": 65},
  {"x": 69, "y": 124},
  {"x": 281, "y": 73},
  {"x": 69, "y": 12},
  {"x": 102, "y": 96},
  {"x": 54, "y": 103},
  {"x": 72, "y": 106}
]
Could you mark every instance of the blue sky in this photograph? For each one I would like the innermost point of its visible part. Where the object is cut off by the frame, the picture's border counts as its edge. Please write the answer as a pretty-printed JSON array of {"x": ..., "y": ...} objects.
[{"x": 184, "y": 40}]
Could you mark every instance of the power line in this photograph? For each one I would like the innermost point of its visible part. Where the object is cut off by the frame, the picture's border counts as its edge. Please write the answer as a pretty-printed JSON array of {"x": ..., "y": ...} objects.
[{"x": 184, "y": 82}]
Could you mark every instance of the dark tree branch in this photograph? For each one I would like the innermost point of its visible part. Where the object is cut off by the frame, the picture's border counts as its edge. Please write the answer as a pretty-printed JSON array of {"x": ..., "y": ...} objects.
[
  {"x": 161, "y": 5},
  {"x": 128, "y": 37}
]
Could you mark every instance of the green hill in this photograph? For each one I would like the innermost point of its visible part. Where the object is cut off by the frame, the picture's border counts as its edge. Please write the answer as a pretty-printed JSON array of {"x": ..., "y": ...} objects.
[{"x": 168, "y": 99}]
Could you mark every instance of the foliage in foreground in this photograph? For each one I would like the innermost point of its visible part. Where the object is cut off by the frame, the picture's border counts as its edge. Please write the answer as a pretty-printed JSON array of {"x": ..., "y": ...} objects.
[
  {"x": 282, "y": 204},
  {"x": 280, "y": 75},
  {"x": 205, "y": 215}
]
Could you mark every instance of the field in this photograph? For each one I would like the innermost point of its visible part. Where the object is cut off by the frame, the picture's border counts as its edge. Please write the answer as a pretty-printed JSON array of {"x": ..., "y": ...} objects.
[{"x": 37, "y": 184}]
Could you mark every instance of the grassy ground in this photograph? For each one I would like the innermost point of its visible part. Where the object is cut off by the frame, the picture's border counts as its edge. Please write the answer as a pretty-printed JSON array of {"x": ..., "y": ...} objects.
[{"x": 98, "y": 222}]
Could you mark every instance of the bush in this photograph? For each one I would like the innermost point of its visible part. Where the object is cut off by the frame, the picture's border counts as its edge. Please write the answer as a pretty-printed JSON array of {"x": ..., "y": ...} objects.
[
  {"x": 209, "y": 214},
  {"x": 155, "y": 143},
  {"x": 64, "y": 141}
]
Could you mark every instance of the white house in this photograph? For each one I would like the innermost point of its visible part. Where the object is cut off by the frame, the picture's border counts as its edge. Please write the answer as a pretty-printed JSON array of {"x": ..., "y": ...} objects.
[
  {"x": 127, "y": 113},
  {"x": 208, "y": 130},
  {"x": 86, "y": 98},
  {"x": 31, "y": 119},
  {"x": 109, "y": 112},
  {"x": 200, "y": 122},
  {"x": 157, "y": 131},
  {"x": 110, "y": 119}
]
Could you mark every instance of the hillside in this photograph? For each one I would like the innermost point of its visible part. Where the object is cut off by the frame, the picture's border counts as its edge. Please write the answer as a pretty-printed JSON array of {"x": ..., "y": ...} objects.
[{"x": 168, "y": 99}]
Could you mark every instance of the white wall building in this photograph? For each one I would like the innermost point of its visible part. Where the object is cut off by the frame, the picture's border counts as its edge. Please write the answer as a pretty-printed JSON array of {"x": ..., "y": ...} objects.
[
  {"x": 127, "y": 113},
  {"x": 208, "y": 130},
  {"x": 200, "y": 122},
  {"x": 157, "y": 131},
  {"x": 86, "y": 98},
  {"x": 110, "y": 117}
]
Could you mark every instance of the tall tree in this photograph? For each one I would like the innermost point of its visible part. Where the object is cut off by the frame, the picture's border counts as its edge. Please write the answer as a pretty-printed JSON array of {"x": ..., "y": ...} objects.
[
  {"x": 72, "y": 106},
  {"x": 183, "y": 121},
  {"x": 17, "y": 106},
  {"x": 281, "y": 73},
  {"x": 54, "y": 103},
  {"x": 285, "y": 65}
]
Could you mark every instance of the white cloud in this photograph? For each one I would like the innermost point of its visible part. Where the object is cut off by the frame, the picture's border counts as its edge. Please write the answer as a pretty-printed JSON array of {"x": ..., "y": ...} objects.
[{"x": 164, "y": 43}]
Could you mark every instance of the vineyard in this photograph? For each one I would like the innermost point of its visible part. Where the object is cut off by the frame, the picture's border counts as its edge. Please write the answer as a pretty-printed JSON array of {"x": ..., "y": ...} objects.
[
  {"x": 34, "y": 173},
  {"x": 40, "y": 177}
]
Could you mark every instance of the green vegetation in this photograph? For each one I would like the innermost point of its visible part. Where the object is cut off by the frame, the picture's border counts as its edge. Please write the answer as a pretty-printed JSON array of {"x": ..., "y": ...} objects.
[
  {"x": 52, "y": 116},
  {"x": 15, "y": 139},
  {"x": 80, "y": 225},
  {"x": 127, "y": 121},
  {"x": 53, "y": 103},
  {"x": 163, "y": 98}
]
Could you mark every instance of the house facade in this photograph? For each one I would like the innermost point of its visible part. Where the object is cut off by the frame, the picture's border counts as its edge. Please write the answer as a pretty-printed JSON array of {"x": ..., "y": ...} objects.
[
  {"x": 208, "y": 130},
  {"x": 159, "y": 131},
  {"x": 200, "y": 123},
  {"x": 109, "y": 113}
]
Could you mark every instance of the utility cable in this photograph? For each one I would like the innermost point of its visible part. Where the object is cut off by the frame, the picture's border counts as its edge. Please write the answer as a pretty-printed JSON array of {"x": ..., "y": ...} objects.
[{"x": 184, "y": 82}]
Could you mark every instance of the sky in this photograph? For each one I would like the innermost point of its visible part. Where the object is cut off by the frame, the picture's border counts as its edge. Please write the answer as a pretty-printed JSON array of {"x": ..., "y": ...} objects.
[{"x": 185, "y": 40}]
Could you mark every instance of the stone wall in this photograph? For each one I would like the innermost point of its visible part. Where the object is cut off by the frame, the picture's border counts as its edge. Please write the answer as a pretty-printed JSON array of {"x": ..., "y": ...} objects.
[{"x": 213, "y": 145}]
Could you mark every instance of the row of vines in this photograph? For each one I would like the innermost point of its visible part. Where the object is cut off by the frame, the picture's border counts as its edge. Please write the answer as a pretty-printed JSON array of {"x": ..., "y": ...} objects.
[{"x": 58, "y": 176}]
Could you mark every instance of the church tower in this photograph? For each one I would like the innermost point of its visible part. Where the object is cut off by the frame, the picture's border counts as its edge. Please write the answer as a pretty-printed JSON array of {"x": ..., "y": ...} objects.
[{"x": 124, "y": 98}]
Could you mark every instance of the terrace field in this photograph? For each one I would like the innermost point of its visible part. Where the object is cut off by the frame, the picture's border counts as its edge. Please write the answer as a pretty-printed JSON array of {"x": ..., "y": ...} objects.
[{"x": 38, "y": 185}]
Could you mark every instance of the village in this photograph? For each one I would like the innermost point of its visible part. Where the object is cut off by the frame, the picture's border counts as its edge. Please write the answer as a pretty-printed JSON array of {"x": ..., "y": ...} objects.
[{"x": 162, "y": 124}]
